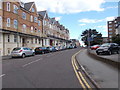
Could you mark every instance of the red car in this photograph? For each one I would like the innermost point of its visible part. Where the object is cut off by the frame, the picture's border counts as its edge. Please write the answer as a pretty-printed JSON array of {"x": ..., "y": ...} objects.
[{"x": 94, "y": 47}]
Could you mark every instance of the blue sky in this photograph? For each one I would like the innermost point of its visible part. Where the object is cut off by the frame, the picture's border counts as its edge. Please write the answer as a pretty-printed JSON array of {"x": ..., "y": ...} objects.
[{"x": 78, "y": 15}]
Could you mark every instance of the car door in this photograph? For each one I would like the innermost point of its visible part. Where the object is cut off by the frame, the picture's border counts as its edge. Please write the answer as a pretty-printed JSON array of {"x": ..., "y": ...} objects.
[
  {"x": 30, "y": 51},
  {"x": 116, "y": 47},
  {"x": 26, "y": 51},
  {"x": 112, "y": 48}
]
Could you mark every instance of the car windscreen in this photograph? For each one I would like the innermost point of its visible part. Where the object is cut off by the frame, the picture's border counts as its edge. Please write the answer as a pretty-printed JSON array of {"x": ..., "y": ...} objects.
[
  {"x": 42, "y": 48},
  {"x": 15, "y": 49},
  {"x": 105, "y": 45}
]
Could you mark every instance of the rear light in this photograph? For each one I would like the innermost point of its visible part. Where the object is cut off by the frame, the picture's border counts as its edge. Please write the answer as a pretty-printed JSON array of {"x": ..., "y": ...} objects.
[{"x": 20, "y": 51}]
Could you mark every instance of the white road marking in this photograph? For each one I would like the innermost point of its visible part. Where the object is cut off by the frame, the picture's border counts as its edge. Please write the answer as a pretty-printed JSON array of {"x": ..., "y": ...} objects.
[
  {"x": 2, "y": 75},
  {"x": 31, "y": 62}
]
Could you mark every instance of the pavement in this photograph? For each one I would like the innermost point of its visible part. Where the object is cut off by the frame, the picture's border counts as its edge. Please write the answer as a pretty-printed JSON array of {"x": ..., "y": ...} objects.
[
  {"x": 104, "y": 74},
  {"x": 6, "y": 57},
  {"x": 114, "y": 57}
]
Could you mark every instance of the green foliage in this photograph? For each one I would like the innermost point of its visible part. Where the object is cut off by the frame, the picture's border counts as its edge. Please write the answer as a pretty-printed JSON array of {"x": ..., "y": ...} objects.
[
  {"x": 97, "y": 37},
  {"x": 116, "y": 39}
]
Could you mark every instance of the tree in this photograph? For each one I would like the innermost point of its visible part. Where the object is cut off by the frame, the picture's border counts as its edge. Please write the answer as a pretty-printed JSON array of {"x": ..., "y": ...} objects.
[
  {"x": 92, "y": 35},
  {"x": 116, "y": 39}
]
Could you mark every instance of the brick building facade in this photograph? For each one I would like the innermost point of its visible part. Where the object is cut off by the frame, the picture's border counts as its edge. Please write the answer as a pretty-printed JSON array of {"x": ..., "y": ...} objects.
[{"x": 22, "y": 25}]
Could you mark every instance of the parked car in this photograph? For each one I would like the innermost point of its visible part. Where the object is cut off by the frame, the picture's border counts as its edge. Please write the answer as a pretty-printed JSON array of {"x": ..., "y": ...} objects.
[
  {"x": 63, "y": 47},
  {"x": 22, "y": 52},
  {"x": 108, "y": 48},
  {"x": 71, "y": 47},
  {"x": 53, "y": 49},
  {"x": 94, "y": 47},
  {"x": 42, "y": 50}
]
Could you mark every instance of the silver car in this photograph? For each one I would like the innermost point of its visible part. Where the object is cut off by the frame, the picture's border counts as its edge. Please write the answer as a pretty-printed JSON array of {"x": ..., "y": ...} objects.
[{"x": 22, "y": 52}]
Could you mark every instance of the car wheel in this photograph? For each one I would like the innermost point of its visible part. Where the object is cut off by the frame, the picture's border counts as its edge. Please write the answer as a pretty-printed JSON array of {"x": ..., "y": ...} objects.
[
  {"x": 12, "y": 57},
  {"x": 98, "y": 53},
  {"x": 118, "y": 52},
  {"x": 43, "y": 52},
  {"x": 109, "y": 52},
  {"x": 33, "y": 54},
  {"x": 23, "y": 55}
]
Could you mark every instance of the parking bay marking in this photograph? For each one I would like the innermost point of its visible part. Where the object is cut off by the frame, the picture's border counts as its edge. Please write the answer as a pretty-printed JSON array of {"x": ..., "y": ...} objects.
[{"x": 31, "y": 62}]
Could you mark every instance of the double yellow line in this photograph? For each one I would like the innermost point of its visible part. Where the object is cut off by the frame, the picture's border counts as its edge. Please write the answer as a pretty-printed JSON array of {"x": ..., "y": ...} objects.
[{"x": 79, "y": 75}]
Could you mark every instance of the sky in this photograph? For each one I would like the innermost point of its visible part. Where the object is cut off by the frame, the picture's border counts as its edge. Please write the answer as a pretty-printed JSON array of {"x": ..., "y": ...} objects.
[{"x": 79, "y": 15}]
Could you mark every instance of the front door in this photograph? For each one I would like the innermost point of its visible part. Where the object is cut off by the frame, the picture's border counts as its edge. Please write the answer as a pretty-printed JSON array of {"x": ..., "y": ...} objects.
[
  {"x": 51, "y": 42},
  {"x": 23, "y": 42}
]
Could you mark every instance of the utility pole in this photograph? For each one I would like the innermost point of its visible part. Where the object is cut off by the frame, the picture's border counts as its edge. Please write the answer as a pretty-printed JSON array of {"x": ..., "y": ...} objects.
[{"x": 88, "y": 39}]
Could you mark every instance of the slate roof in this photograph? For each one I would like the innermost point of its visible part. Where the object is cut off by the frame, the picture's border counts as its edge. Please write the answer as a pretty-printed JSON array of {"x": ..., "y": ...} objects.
[
  {"x": 42, "y": 13},
  {"x": 52, "y": 20},
  {"x": 28, "y": 5}
]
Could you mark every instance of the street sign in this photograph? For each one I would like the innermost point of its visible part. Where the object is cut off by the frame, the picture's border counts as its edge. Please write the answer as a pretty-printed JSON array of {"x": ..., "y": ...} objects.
[{"x": 90, "y": 39}]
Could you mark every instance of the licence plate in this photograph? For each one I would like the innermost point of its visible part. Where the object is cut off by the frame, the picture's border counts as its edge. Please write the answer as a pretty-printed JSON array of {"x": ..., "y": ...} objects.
[
  {"x": 99, "y": 51},
  {"x": 14, "y": 55}
]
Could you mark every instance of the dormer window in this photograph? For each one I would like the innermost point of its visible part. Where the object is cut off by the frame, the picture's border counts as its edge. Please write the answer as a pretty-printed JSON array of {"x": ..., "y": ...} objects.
[
  {"x": 22, "y": 4},
  {"x": 33, "y": 10}
]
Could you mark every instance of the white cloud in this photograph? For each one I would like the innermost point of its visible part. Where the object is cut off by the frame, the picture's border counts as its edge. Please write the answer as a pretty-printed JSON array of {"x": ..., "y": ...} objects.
[
  {"x": 112, "y": 0},
  {"x": 90, "y": 20},
  {"x": 110, "y": 18},
  {"x": 82, "y": 24},
  {"x": 58, "y": 18},
  {"x": 102, "y": 27},
  {"x": 112, "y": 7},
  {"x": 86, "y": 20},
  {"x": 68, "y": 6}
]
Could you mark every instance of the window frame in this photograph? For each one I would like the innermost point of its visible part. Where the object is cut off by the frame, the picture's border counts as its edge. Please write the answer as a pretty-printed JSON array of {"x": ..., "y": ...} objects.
[
  {"x": 24, "y": 15},
  {"x": 35, "y": 40},
  {"x": 32, "y": 29},
  {"x": 35, "y": 19},
  {"x": 8, "y": 6},
  {"x": 0, "y": 21},
  {"x": 15, "y": 9},
  {"x": 33, "y": 9},
  {"x": 24, "y": 27},
  {"x": 39, "y": 22},
  {"x": 15, "y": 24},
  {"x": 8, "y": 22},
  {"x": 31, "y": 18},
  {"x": 8, "y": 38},
  {"x": 15, "y": 38}
]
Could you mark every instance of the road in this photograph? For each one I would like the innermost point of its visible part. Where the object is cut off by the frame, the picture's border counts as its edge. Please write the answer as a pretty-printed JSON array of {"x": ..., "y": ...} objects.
[
  {"x": 52, "y": 70},
  {"x": 57, "y": 70}
]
